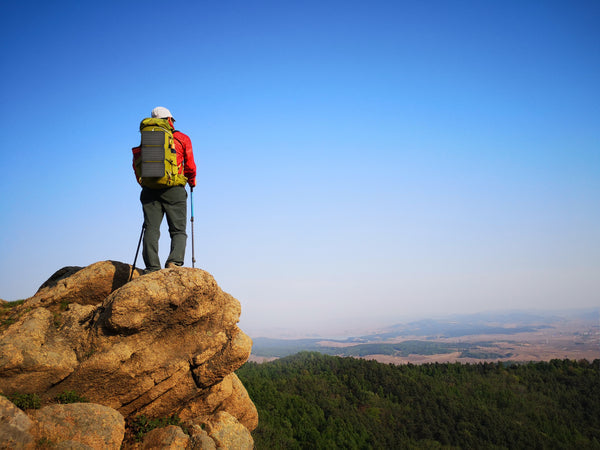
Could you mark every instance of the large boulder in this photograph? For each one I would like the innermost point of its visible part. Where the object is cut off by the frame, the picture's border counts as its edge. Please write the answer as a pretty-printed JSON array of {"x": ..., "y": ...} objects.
[
  {"x": 82, "y": 425},
  {"x": 15, "y": 427},
  {"x": 83, "y": 285},
  {"x": 169, "y": 437},
  {"x": 227, "y": 432},
  {"x": 162, "y": 344},
  {"x": 88, "y": 424}
]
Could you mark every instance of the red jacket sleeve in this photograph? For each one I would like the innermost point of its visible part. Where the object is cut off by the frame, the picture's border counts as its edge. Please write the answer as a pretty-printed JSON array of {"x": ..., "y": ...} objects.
[
  {"x": 185, "y": 154},
  {"x": 136, "y": 155}
]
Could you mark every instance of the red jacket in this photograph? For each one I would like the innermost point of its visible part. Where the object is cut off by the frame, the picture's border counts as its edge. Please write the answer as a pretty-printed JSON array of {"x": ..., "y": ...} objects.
[{"x": 185, "y": 154}]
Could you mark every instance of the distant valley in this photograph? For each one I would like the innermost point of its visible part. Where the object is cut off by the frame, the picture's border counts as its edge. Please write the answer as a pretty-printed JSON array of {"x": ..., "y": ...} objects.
[{"x": 511, "y": 336}]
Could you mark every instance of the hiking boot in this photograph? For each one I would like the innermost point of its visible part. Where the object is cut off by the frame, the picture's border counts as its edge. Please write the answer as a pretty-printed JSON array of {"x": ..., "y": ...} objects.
[{"x": 171, "y": 265}]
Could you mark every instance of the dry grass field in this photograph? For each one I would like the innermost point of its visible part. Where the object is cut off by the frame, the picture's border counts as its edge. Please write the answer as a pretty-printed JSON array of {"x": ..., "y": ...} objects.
[{"x": 575, "y": 339}]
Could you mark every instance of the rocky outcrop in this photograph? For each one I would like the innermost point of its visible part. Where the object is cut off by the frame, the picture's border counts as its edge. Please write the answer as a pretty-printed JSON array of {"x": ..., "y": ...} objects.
[{"x": 163, "y": 344}]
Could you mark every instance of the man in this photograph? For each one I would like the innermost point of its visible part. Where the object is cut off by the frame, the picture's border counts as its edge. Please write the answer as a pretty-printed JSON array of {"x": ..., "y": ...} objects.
[{"x": 172, "y": 201}]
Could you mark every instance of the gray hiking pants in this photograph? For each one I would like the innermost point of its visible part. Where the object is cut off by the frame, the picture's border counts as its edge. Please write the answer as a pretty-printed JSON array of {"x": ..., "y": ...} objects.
[{"x": 156, "y": 203}]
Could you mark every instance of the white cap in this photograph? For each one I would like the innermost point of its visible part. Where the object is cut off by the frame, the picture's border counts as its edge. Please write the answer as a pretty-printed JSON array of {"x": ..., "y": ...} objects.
[{"x": 160, "y": 112}]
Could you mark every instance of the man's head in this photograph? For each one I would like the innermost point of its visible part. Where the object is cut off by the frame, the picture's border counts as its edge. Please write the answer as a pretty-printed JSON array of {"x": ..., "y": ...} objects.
[{"x": 160, "y": 112}]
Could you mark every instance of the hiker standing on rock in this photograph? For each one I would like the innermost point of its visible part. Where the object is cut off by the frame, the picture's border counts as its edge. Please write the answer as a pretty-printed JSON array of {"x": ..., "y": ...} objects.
[{"x": 163, "y": 165}]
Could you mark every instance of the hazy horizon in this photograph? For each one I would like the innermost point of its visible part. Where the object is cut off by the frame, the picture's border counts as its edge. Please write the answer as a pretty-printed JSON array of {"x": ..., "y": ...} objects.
[{"x": 355, "y": 328}]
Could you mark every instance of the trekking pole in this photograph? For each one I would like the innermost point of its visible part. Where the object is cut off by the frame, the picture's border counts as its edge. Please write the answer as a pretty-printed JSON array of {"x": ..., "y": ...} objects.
[
  {"x": 137, "y": 251},
  {"x": 192, "y": 223}
]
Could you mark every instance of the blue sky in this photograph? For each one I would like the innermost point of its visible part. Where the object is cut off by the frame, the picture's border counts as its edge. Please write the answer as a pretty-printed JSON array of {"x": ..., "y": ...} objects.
[{"x": 358, "y": 162}]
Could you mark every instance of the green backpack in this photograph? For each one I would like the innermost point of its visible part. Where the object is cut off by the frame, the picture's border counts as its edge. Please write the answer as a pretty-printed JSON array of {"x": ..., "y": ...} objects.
[{"x": 157, "y": 166}]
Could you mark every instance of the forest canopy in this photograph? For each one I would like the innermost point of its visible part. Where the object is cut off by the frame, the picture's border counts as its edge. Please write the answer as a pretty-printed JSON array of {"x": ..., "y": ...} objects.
[{"x": 317, "y": 401}]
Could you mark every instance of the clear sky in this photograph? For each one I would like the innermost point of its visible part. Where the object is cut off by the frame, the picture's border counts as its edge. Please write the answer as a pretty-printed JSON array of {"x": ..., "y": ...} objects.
[{"x": 358, "y": 162}]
